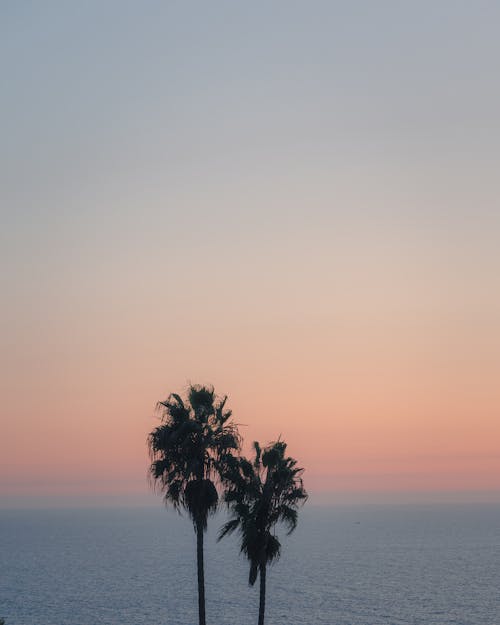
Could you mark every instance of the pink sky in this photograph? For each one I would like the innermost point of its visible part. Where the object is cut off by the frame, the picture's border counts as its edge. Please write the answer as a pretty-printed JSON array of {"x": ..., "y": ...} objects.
[{"x": 304, "y": 214}]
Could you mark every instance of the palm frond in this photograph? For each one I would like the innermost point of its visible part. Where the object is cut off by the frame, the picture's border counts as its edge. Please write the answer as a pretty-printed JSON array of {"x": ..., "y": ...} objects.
[
  {"x": 200, "y": 498},
  {"x": 254, "y": 569},
  {"x": 288, "y": 516},
  {"x": 228, "y": 528},
  {"x": 273, "y": 549}
]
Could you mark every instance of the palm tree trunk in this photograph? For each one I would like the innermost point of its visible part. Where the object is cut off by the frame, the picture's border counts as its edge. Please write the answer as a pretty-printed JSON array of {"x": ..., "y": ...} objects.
[
  {"x": 201, "y": 573},
  {"x": 262, "y": 599}
]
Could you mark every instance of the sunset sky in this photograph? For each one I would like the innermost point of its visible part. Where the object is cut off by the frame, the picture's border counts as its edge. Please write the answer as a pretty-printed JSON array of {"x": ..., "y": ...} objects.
[{"x": 297, "y": 202}]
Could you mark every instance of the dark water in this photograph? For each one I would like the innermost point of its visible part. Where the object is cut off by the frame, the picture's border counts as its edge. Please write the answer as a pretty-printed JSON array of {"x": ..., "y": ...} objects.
[{"x": 372, "y": 565}]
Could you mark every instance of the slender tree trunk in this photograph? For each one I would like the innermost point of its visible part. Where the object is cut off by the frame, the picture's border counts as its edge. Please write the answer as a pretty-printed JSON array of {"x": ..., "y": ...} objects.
[
  {"x": 262, "y": 599},
  {"x": 201, "y": 574}
]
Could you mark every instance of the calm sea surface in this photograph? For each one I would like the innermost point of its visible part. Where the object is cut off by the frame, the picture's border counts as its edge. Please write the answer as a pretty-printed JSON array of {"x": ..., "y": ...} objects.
[{"x": 363, "y": 565}]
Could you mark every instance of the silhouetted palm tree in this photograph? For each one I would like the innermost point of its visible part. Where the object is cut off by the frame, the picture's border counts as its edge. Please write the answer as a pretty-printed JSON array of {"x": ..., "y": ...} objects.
[
  {"x": 259, "y": 495},
  {"x": 188, "y": 452}
]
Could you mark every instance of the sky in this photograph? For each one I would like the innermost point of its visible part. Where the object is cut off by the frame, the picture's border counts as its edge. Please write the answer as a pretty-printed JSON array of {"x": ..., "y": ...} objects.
[{"x": 296, "y": 202}]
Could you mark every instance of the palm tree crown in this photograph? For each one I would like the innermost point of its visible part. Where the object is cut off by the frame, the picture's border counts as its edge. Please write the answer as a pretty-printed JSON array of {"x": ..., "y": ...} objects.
[{"x": 190, "y": 448}]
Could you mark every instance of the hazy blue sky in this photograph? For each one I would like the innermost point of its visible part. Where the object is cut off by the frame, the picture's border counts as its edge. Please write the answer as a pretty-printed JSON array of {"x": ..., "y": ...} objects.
[{"x": 287, "y": 199}]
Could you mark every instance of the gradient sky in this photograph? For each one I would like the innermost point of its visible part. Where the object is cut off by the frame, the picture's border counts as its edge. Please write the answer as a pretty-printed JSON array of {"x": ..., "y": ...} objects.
[{"x": 295, "y": 201}]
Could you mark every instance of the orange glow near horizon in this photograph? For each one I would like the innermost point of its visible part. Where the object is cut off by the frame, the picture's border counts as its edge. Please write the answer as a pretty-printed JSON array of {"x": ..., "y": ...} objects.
[
  {"x": 363, "y": 409},
  {"x": 302, "y": 212}
]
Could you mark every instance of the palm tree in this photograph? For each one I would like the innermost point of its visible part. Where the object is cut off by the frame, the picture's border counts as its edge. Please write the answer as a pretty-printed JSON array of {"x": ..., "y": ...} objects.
[
  {"x": 188, "y": 451},
  {"x": 259, "y": 495}
]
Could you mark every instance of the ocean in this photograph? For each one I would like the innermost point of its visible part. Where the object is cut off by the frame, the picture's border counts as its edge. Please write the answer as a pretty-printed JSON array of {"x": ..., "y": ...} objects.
[{"x": 344, "y": 565}]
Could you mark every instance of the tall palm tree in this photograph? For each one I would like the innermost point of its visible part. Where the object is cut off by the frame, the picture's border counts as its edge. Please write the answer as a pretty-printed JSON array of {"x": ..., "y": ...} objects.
[
  {"x": 259, "y": 495},
  {"x": 188, "y": 451}
]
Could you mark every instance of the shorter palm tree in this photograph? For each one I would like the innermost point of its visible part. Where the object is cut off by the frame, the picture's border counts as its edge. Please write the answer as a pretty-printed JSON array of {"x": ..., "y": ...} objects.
[{"x": 260, "y": 494}]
